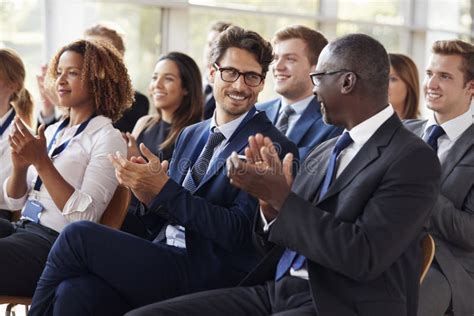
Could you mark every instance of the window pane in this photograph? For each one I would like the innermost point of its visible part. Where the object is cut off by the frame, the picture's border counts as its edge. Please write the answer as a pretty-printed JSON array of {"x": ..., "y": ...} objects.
[
  {"x": 388, "y": 36},
  {"x": 453, "y": 15},
  {"x": 282, "y": 6},
  {"x": 386, "y": 11},
  {"x": 21, "y": 30},
  {"x": 141, "y": 25}
]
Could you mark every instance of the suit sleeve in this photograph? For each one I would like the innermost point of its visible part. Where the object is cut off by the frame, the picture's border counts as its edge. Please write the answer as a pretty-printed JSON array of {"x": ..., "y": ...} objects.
[
  {"x": 453, "y": 224},
  {"x": 390, "y": 219}
]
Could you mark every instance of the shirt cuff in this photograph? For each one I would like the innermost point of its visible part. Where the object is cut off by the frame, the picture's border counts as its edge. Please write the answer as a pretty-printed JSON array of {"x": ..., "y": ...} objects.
[
  {"x": 14, "y": 204},
  {"x": 77, "y": 202},
  {"x": 266, "y": 225}
]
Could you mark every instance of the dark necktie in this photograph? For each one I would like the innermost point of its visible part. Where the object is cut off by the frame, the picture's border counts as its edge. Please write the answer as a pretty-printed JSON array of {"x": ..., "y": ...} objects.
[
  {"x": 202, "y": 163},
  {"x": 435, "y": 133},
  {"x": 291, "y": 258},
  {"x": 282, "y": 123}
]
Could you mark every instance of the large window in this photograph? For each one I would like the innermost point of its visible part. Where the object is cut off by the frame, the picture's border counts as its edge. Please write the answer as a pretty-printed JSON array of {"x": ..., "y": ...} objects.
[{"x": 141, "y": 26}]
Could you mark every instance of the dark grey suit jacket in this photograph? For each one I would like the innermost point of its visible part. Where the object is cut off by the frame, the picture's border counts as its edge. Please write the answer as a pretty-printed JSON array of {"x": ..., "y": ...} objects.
[
  {"x": 452, "y": 222},
  {"x": 362, "y": 239}
]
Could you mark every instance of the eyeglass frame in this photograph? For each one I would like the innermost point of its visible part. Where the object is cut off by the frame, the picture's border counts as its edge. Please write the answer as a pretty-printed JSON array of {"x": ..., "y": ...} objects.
[
  {"x": 314, "y": 75},
  {"x": 221, "y": 69}
]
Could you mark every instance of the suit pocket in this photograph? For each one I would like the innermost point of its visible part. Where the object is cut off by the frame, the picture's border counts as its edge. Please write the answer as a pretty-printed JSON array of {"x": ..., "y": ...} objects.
[{"x": 386, "y": 308}]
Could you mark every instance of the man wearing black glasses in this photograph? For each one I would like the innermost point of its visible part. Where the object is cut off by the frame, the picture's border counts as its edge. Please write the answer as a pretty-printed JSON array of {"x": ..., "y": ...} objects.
[
  {"x": 206, "y": 237},
  {"x": 344, "y": 238},
  {"x": 296, "y": 113}
]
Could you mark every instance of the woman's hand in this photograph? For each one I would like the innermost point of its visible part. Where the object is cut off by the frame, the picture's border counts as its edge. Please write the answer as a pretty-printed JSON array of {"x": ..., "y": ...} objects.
[
  {"x": 26, "y": 148},
  {"x": 132, "y": 147}
]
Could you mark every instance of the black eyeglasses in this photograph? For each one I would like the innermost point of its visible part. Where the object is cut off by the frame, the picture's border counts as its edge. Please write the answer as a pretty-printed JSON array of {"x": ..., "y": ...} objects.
[
  {"x": 317, "y": 76},
  {"x": 229, "y": 74}
]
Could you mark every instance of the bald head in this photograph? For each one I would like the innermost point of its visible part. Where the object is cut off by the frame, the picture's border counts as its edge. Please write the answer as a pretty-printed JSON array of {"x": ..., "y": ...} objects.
[{"x": 367, "y": 58}]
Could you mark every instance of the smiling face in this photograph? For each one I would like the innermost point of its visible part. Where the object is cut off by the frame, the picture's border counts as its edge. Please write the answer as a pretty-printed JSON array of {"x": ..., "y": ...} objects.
[
  {"x": 397, "y": 92},
  {"x": 72, "y": 92},
  {"x": 235, "y": 98},
  {"x": 445, "y": 89},
  {"x": 166, "y": 87},
  {"x": 291, "y": 69}
]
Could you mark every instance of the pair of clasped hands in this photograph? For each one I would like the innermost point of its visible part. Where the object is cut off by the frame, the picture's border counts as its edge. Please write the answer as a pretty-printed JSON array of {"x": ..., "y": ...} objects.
[
  {"x": 26, "y": 148},
  {"x": 261, "y": 174}
]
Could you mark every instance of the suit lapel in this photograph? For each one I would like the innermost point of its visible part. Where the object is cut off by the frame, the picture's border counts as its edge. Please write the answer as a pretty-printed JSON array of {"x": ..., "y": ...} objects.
[
  {"x": 366, "y": 155},
  {"x": 258, "y": 124},
  {"x": 272, "y": 111},
  {"x": 191, "y": 153},
  {"x": 459, "y": 149},
  {"x": 308, "y": 118}
]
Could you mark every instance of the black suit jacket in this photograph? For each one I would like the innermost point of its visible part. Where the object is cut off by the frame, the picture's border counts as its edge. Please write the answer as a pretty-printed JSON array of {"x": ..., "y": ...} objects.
[
  {"x": 452, "y": 222},
  {"x": 362, "y": 239}
]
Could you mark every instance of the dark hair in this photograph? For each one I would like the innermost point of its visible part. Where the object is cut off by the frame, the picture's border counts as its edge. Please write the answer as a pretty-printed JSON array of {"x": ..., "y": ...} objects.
[
  {"x": 461, "y": 48},
  {"x": 367, "y": 58},
  {"x": 315, "y": 41},
  {"x": 103, "y": 70},
  {"x": 190, "y": 110},
  {"x": 219, "y": 26},
  {"x": 250, "y": 41},
  {"x": 406, "y": 69},
  {"x": 12, "y": 71},
  {"x": 115, "y": 37}
]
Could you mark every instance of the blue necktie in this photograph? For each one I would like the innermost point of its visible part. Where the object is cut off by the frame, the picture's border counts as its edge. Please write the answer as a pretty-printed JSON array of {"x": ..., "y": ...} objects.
[
  {"x": 435, "y": 133},
  {"x": 202, "y": 163},
  {"x": 291, "y": 258}
]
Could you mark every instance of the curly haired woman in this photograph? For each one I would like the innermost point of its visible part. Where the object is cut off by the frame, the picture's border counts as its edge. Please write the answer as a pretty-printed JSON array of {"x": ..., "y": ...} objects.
[
  {"x": 63, "y": 174},
  {"x": 15, "y": 100}
]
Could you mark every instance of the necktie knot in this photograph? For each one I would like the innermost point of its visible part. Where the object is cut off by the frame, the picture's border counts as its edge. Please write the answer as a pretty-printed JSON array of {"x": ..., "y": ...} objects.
[
  {"x": 341, "y": 144},
  {"x": 282, "y": 123},
  {"x": 435, "y": 133}
]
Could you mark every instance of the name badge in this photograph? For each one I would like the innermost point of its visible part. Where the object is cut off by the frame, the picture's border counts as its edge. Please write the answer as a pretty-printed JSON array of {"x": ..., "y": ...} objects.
[{"x": 32, "y": 210}]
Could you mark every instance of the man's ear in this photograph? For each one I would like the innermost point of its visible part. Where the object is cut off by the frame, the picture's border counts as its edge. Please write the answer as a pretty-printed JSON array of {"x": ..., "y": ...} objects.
[
  {"x": 348, "y": 83},
  {"x": 470, "y": 86},
  {"x": 212, "y": 74}
]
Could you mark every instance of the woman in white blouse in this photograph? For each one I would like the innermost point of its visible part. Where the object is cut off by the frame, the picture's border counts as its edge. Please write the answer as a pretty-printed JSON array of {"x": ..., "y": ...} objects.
[
  {"x": 14, "y": 100},
  {"x": 63, "y": 174}
]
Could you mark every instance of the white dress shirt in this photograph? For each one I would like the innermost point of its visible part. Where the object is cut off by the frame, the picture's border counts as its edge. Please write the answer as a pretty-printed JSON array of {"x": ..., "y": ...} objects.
[
  {"x": 453, "y": 128},
  {"x": 299, "y": 107},
  {"x": 360, "y": 134},
  {"x": 5, "y": 156},
  {"x": 85, "y": 166}
]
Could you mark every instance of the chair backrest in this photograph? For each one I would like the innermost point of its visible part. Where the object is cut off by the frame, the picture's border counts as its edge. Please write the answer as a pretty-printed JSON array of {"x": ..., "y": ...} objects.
[
  {"x": 428, "y": 246},
  {"x": 115, "y": 212}
]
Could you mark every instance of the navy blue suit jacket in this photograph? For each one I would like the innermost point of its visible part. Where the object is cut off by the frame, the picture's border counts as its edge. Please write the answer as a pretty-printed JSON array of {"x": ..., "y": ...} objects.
[
  {"x": 218, "y": 217},
  {"x": 309, "y": 131}
]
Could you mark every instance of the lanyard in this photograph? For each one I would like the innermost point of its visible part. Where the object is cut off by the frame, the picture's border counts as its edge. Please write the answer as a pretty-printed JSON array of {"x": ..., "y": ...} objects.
[
  {"x": 63, "y": 146},
  {"x": 7, "y": 122}
]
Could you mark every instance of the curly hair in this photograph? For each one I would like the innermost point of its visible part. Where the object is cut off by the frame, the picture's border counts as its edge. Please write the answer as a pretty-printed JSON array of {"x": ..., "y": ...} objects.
[
  {"x": 104, "y": 72},
  {"x": 12, "y": 71}
]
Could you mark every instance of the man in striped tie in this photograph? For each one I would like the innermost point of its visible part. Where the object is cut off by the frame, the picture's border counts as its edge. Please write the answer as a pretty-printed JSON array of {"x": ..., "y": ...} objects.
[{"x": 343, "y": 238}]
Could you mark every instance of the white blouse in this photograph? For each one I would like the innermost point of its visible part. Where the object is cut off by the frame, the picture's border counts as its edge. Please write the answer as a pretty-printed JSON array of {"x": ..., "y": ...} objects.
[
  {"x": 5, "y": 157},
  {"x": 85, "y": 166}
]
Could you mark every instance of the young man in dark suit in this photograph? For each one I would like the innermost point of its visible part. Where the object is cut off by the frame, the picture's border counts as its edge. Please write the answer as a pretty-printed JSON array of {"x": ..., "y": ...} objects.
[
  {"x": 344, "y": 238},
  {"x": 205, "y": 241},
  {"x": 296, "y": 113},
  {"x": 448, "y": 88}
]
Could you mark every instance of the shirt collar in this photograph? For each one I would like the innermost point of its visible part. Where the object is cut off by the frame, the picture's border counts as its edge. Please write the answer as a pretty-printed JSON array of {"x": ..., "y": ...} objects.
[
  {"x": 4, "y": 118},
  {"x": 363, "y": 131},
  {"x": 228, "y": 128},
  {"x": 453, "y": 128},
  {"x": 298, "y": 107}
]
